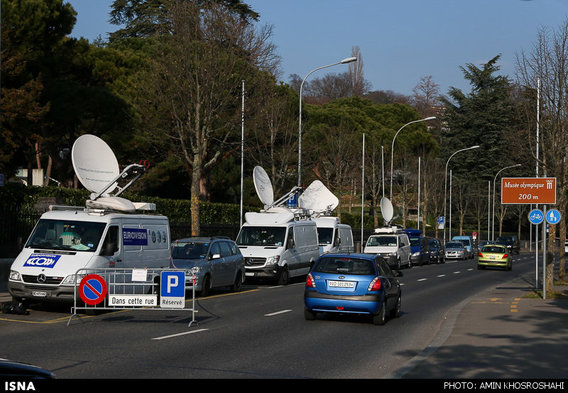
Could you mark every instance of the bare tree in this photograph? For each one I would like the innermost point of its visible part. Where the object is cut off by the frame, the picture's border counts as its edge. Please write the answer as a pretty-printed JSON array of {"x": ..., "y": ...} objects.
[{"x": 547, "y": 65}]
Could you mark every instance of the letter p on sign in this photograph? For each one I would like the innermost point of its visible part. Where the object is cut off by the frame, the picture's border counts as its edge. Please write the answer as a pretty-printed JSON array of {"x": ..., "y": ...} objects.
[{"x": 172, "y": 284}]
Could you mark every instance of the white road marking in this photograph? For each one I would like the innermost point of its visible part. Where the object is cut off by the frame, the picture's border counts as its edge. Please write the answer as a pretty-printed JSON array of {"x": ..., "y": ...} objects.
[
  {"x": 277, "y": 313},
  {"x": 179, "y": 334}
]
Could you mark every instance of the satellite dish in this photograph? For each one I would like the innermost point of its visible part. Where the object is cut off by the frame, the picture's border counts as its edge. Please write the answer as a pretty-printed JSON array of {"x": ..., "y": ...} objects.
[
  {"x": 263, "y": 186},
  {"x": 318, "y": 198},
  {"x": 94, "y": 163},
  {"x": 386, "y": 209}
]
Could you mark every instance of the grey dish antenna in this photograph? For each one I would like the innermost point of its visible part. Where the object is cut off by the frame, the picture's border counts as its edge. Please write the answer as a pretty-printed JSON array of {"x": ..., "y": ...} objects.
[
  {"x": 386, "y": 210},
  {"x": 97, "y": 169},
  {"x": 318, "y": 198},
  {"x": 263, "y": 186}
]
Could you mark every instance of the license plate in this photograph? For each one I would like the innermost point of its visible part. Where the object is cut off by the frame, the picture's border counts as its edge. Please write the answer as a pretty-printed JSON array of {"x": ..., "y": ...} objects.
[
  {"x": 492, "y": 257},
  {"x": 341, "y": 284},
  {"x": 39, "y": 293}
]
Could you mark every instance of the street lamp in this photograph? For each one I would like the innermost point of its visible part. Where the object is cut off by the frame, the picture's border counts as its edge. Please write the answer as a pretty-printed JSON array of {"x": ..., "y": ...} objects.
[
  {"x": 494, "y": 180},
  {"x": 446, "y": 183},
  {"x": 344, "y": 61},
  {"x": 392, "y": 146}
]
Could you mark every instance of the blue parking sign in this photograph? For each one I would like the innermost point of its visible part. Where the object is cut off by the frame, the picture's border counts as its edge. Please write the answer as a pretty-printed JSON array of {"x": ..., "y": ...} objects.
[{"x": 172, "y": 284}]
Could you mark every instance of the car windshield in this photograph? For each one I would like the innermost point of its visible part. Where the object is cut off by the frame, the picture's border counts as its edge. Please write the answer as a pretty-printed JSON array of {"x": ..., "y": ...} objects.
[
  {"x": 454, "y": 245},
  {"x": 388, "y": 241},
  {"x": 497, "y": 249},
  {"x": 189, "y": 250},
  {"x": 66, "y": 235},
  {"x": 262, "y": 236},
  {"x": 339, "y": 265},
  {"x": 325, "y": 235}
]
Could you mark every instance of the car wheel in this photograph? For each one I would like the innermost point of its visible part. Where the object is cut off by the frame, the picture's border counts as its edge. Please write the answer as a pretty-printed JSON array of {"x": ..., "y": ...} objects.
[
  {"x": 381, "y": 317},
  {"x": 284, "y": 276},
  {"x": 238, "y": 283},
  {"x": 206, "y": 286},
  {"x": 395, "y": 312},
  {"x": 309, "y": 315}
]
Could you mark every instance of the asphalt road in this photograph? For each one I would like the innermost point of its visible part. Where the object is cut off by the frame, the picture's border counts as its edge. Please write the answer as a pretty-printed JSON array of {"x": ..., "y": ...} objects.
[{"x": 258, "y": 333}]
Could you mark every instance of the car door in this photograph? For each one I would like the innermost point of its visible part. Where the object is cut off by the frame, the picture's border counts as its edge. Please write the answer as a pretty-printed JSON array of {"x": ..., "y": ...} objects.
[
  {"x": 216, "y": 265},
  {"x": 391, "y": 283}
]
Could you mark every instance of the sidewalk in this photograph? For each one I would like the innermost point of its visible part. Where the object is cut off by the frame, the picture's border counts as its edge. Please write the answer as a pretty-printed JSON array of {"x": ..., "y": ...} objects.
[{"x": 502, "y": 333}]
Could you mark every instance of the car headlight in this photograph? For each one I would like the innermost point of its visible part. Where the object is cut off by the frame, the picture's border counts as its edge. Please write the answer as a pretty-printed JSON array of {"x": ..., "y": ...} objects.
[
  {"x": 416, "y": 254},
  {"x": 273, "y": 260},
  {"x": 15, "y": 276},
  {"x": 72, "y": 279}
]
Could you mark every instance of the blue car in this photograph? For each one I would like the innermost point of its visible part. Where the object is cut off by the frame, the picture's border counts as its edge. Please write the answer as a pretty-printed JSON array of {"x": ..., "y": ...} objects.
[{"x": 352, "y": 284}]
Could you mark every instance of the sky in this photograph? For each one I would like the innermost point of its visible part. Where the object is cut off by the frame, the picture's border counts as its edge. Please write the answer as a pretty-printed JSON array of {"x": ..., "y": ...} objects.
[{"x": 401, "y": 41}]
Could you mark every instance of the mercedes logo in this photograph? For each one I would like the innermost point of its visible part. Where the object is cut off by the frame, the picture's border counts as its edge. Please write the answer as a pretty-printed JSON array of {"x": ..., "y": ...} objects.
[{"x": 41, "y": 278}]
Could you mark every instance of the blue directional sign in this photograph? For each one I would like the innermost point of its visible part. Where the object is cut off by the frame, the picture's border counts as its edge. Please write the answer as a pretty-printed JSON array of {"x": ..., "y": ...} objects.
[
  {"x": 536, "y": 216},
  {"x": 441, "y": 222},
  {"x": 553, "y": 216}
]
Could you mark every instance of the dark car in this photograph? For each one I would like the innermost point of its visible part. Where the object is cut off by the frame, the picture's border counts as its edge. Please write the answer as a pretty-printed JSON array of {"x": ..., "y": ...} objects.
[
  {"x": 211, "y": 262},
  {"x": 420, "y": 250},
  {"x": 511, "y": 242},
  {"x": 437, "y": 253},
  {"x": 352, "y": 284}
]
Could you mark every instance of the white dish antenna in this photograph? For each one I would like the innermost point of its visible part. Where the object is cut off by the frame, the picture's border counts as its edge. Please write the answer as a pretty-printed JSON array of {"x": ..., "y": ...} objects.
[
  {"x": 94, "y": 163},
  {"x": 263, "y": 186},
  {"x": 386, "y": 209},
  {"x": 97, "y": 169},
  {"x": 318, "y": 198}
]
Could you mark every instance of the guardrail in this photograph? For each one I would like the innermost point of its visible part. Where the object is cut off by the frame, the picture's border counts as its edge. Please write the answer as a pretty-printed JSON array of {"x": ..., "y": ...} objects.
[{"x": 141, "y": 289}]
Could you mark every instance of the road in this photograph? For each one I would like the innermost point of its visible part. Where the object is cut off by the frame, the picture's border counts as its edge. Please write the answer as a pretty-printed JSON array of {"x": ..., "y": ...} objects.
[{"x": 257, "y": 333}]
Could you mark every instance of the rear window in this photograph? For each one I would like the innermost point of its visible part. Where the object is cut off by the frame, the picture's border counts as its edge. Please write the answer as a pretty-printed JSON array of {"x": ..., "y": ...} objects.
[
  {"x": 345, "y": 266},
  {"x": 493, "y": 249}
]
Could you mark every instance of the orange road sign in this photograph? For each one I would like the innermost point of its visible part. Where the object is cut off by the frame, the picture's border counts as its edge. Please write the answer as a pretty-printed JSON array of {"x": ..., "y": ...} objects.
[{"x": 528, "y": 190}]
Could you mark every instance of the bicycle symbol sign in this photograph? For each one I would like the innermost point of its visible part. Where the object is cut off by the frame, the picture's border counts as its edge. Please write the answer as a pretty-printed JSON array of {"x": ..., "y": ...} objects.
[{"x": 536, "y": 216}]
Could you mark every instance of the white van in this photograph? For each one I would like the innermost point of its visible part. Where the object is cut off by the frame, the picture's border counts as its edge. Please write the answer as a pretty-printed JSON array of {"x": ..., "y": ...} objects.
[
  {"x": 334, "y": 236},
  {"x": 66, "y": 239},
  {"x": 392, "y": 244},
  {"x": 277, "y": 246}
]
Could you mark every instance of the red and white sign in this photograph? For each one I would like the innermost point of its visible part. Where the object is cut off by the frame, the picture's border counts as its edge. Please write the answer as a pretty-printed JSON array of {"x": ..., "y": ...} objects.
[{"x": 528, "y": 190}]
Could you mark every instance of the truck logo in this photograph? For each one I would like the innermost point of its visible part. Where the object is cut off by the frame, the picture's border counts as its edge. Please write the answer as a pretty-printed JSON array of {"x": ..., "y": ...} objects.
[{"x": 42, "y": 260}]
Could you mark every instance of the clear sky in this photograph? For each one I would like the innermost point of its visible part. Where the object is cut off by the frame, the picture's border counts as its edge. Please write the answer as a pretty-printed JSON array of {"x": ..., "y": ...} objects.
[{"x": 401, "y": 41}]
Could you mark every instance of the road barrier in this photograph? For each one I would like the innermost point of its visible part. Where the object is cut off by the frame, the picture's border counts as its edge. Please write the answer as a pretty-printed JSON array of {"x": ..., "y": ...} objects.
[{"x": 141, "y": 289}]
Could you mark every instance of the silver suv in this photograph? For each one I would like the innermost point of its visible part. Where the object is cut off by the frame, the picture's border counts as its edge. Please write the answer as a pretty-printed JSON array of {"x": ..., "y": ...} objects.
[{"x": 211, "y": 262}]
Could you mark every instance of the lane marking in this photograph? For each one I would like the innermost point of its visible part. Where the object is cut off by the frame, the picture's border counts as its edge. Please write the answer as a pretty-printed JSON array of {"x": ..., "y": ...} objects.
[
  {"x": 441, "y": 275},
  {"x": 422, "y": 279},
  {"x": 277, "y": 313},
  {"x": 180, "y": 334}
]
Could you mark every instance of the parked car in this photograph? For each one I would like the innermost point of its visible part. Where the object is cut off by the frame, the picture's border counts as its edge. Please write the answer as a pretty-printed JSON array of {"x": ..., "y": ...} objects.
[
  {"x": 437, "y": 253},
  {"x": 456, "y": 250},
  {"x": 212, "y": 262},
  {"x": 511, "y": 242},
  {"x": 352, "y": 284},
  {"x": 495, "y": 255},
  {"x": 420, "y": 251},
  {"x": 467, "y": 242}
]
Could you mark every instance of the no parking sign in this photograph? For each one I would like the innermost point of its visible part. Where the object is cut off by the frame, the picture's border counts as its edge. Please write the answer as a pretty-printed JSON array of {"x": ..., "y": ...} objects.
[{"x": 92, "y": 289}]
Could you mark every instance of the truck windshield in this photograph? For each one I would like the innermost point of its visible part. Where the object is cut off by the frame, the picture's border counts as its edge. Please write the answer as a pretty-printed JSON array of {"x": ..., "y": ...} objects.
[
  {"x": 385, "y": 241},
  {"x": 325, "y": 235},
  {"x": 66, "y": 235},
  {"x": 262, "y": 236}
]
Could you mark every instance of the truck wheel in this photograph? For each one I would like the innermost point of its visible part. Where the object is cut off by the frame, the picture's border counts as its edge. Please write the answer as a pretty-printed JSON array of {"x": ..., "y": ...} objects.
[{"x": 284, "y": 276}]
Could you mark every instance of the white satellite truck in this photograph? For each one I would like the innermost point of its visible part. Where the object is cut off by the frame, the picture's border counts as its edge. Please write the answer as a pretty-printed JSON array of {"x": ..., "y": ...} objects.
[
  {"x": 281, "y": 242},
  {"x": 108, "y": 232}
]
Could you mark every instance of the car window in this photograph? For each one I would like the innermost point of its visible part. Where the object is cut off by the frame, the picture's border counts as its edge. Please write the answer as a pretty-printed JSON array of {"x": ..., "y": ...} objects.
[
  {"x": 341, "y": 265},
  {"x": 234, "y": 248},
  {"x": 225, "y": 249},
  {"x": 384, "y": 268},
  {"x": 493, "y": 249},
  {"x": 215, "y": 249}
]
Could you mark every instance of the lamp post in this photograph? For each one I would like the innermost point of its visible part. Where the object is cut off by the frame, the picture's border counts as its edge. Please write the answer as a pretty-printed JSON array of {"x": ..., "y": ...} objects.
[
  {"x": 446, "y": 183},
  {"x": 494, "y": 180},
  {"x": 344, "y": 61},
  {"x": 392, "y": 145}
]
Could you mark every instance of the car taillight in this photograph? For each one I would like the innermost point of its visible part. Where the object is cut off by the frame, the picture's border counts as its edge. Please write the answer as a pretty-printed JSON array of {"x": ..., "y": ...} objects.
[
  {"x": 375, "y": 285},
  {"x": 504, "y": 256},
  {"x": 310, "y": 281},
  {"x": 480, "y": 254}
]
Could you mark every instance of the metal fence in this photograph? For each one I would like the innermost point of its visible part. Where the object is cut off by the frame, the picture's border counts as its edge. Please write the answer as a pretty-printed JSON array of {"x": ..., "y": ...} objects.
[{"x": 141, "y": 289}]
